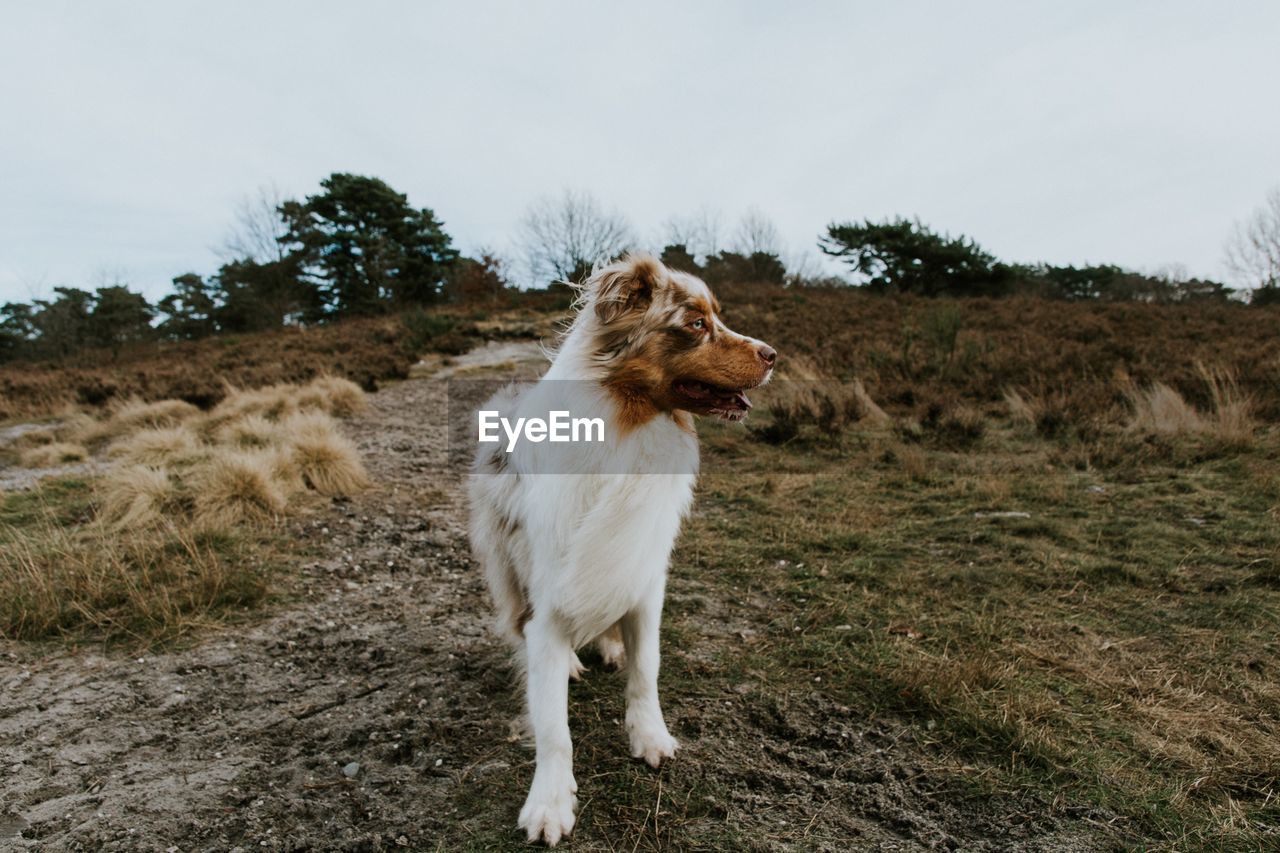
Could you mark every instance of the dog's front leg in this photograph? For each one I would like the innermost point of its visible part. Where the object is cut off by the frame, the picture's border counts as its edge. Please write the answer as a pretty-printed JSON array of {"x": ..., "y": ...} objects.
[
  {"x": 647, "y": 730},
  {"x": 548, "y": 810}
]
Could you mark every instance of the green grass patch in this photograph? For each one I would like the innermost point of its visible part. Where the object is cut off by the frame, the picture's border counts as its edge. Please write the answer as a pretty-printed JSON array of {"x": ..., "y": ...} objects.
[{"x": 1117, "y": 644}]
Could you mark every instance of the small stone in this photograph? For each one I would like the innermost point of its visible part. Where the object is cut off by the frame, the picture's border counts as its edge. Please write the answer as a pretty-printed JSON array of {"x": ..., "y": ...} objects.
[{"x": 351, "y": 770}]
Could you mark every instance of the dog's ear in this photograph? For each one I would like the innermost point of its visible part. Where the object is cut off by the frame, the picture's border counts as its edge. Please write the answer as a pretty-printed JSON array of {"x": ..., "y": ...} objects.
[{"x": 627, "y": 285}]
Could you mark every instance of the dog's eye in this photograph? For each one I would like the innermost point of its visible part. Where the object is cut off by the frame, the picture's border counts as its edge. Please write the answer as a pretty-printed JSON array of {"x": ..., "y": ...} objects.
[{"x": 699, "y": 324}]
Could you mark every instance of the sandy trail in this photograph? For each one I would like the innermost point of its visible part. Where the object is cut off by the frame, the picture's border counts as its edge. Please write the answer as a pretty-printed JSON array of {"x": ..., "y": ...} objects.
[{"x": 250, "y": 738}]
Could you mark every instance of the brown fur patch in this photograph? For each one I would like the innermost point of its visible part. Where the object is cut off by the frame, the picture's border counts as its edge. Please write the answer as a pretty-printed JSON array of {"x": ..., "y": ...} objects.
[{"x": 647, "y": 317}]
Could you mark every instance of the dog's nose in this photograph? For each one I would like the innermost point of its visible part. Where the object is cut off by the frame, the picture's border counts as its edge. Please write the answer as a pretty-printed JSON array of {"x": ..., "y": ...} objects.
[{"x": 767, "y": 354}]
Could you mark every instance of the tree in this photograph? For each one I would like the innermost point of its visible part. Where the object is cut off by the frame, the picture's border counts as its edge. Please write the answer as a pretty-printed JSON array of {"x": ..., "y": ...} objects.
[
  {"x": 189, "y": 309},
  {"x": 677, "y": 256},
  {"x": 755, "y": 267},
  {"x": 699, "y": 234},
  {"x": 17, "y": 329},
  {"x": 119, "y": 317},
  {"x": 253, "y": 296},
  {"x": 259, "y": 231},
  {"x": 1253, "y": 251},
  {"x": 562, "y": 239},
  {"x": 62, "y": 325},
  {"x": 904, "y": 256},
  {"x": 757, "y": 235},
  {"x": 365, "y": 248},
  {"x": 480, "y": 279}
]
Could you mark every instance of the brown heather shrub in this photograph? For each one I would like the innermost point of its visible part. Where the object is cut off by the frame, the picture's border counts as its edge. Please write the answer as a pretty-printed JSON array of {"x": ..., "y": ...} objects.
[
  {"x": 234, "y": 487},
  {"x": 1020, "y": 342},
  {"x": 52, "y": 454},
  {"x": 365, "y": 351}
]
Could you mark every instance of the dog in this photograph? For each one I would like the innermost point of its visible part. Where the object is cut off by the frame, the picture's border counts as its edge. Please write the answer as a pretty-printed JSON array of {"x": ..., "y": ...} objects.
[{"x": 575, "y": 543}]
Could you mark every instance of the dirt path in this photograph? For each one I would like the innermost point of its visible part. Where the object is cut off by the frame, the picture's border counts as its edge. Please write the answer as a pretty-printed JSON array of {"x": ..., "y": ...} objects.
[{"x": 373, "y": 713}]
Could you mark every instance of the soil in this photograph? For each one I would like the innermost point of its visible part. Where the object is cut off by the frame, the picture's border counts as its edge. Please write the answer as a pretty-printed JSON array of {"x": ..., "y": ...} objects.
[{"x": 372, "y": 709}]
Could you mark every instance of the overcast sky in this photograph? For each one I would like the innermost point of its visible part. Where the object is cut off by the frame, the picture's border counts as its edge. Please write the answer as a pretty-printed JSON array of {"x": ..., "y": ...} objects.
[{"x": 1131, "y": 133}]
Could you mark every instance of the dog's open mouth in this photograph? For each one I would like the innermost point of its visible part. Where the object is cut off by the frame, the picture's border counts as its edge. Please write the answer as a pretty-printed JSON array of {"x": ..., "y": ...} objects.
[{"x": 703, "y": 397}]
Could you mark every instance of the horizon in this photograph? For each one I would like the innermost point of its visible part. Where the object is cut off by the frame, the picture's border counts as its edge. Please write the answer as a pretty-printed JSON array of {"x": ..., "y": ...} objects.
[{"x": 1090, "y": 135}]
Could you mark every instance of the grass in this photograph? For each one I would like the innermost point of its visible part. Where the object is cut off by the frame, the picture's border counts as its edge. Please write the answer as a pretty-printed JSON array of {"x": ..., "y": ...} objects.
[
  {"x": 1044, "y": 535},
  {"x": 65, "y": 575},
  {"x": 1116, "y": 644},
  {"x": 179, "y": 531}
]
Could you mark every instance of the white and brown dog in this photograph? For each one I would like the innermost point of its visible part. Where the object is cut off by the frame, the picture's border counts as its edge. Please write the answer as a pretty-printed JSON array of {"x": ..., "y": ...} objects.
[{"x": 575, "y": 547}]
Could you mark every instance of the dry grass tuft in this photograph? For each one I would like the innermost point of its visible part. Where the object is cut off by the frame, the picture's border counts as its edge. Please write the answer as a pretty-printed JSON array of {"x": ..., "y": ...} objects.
[
  {"x": 234, "y": 487},
  {"x": 1020, "y": 408},
  {"x": 241, "y": 463},
  {"x": 1159, "y": 408},
  {"x": 805, "y": 396},
  {"x": 125, "y": 557},
  {"x": 912, "y": 459},
  {"x": 249, "y": 431},
  {"x": 868, "y": 411},
  {"x": 61, "y": 581},
  {"x": 326, "y": 459},
  {"x": 156, "y": 446},
  {"x": 273, "y": 402},
  {"x": 139, "y": 496},
  {"x": 327, "y": 394},
  {"x": 52, "y": 454},
  {"x": 36, "y": 438},
  {"x": 131, "y": 416},
  {"x": 340, "y": 397},
  {"x": 1232, "y": 409},
  {"x": 135, "y": 414}
]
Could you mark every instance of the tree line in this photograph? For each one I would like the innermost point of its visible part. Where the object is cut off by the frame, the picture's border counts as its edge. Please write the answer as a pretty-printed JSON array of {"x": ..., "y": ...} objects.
[{"x": 358, "y": 247}]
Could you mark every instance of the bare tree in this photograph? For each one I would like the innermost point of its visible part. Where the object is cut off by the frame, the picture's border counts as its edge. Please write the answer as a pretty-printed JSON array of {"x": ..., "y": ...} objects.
[
  {"x": 258, "y": 230},
  {"x": 563, "y": 237},
  {"x": 757, "y": 233},
  {"x": 1253, "y": 250},
  {"x": 700, "y": 233}
]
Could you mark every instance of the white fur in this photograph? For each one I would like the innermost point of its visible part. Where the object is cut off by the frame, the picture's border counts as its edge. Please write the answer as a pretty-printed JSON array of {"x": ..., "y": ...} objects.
[
  {"x": 584, "y": 550},
  {"x": 575, "y": 538}
]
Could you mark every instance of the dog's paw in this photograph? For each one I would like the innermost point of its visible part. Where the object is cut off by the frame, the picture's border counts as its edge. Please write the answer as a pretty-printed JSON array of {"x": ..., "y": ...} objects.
[
  {"x": 652, "y": 743},
  {"x": 612, "y": 652},
  {"x": 548, "y": 812},
  {"x": 576, "y": 669}
]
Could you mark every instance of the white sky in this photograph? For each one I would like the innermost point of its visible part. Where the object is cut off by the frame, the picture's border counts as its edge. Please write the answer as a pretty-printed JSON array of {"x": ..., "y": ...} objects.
[{"x": 1133, "y": 133}]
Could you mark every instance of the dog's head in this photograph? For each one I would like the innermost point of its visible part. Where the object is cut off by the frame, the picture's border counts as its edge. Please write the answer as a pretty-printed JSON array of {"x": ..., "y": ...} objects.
[{"x": 658, "y": 334}]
